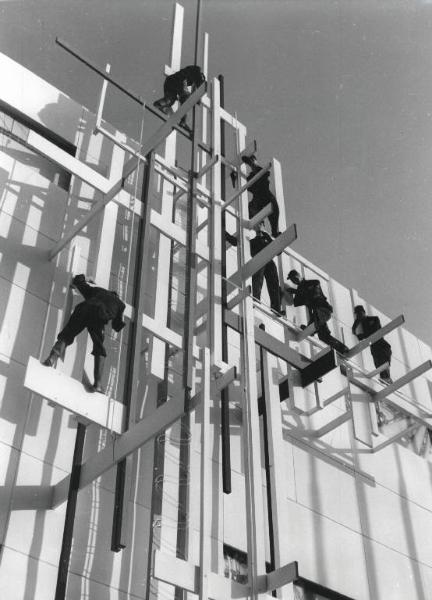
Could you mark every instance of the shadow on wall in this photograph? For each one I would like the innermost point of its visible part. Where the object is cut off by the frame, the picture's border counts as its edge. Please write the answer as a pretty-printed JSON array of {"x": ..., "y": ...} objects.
[{"x": 63, "y": 117}]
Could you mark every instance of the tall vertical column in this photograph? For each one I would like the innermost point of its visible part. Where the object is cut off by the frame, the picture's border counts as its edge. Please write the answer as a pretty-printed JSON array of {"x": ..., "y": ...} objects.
[
  {"x": 157, "y": 346},
  {"x": 251, "y": 430}
]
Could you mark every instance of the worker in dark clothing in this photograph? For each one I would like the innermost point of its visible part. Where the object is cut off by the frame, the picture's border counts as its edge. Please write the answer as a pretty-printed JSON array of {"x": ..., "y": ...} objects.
[
  {"x": 99, "y": 307},
  {"x": 381, "y": 351},
  {"x": 176, "y": 88},
  {"x": 269, "y": 271},
  {"x": 261, "y": 194},
  {"x": 309, "y": 293}
]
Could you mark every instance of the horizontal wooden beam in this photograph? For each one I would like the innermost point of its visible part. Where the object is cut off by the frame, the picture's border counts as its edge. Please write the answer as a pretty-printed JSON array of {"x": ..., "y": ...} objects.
[
  {"x": 374, "y": 337},
  {"x": 258, "y": 261},
  {"x": 70, "y": 394}
]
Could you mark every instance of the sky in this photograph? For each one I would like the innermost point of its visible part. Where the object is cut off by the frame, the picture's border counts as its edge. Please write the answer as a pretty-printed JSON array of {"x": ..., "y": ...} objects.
[{"x": 339, "y": 91}]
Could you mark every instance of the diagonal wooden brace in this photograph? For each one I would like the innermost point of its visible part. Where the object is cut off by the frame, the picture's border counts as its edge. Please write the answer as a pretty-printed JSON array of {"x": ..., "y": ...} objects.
[
  {"x": 128, "y": 442},
  {"x": 262, "y": 258},
  {"x": 246, "y": 186},
  {"x": 397, "y": 322},
  {"x": 129, "y": 167},
  {"x": 403, "y": 380}
]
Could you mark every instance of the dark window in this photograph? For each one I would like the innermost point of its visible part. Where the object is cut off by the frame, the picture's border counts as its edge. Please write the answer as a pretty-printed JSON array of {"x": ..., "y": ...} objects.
[
  {"x": 307, "y": 590},
  {"x": 14, "y": 129}
]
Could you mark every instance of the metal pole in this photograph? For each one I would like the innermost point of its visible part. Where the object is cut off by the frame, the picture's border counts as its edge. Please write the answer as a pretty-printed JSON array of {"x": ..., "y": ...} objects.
[{"x": 225, "y": 424}]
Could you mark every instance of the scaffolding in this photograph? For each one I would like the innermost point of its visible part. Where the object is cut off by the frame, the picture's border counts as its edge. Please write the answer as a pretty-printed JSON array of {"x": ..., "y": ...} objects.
[{"x": 190, "y": 220}]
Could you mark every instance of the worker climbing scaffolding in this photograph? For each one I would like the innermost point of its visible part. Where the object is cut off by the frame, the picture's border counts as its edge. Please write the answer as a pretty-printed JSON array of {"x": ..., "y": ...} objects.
[
  {"x": 176, "y": 88},
  {"x": 381, "y": 351},
  {"x": 309, "y": 293},
  {"x": 261, "y": 194},
  {"x": 99, "y": 307},
  {"x": 268, "y": 272}
]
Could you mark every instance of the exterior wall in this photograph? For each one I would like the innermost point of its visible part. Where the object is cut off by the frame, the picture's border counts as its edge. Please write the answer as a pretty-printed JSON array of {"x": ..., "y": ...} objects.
[{"x": 356, "y": 522}]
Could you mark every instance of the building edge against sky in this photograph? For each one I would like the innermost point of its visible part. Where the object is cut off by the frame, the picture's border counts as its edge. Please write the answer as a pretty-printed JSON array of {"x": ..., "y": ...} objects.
[{"x": 349, "y": 502}]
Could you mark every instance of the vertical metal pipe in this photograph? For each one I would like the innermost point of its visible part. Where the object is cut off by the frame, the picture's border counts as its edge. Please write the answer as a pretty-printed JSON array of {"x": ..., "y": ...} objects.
[
  {"x": 124, "y": 468},
  {"x": 225, "y": 424},
  {"x": 63, "y": 568}
]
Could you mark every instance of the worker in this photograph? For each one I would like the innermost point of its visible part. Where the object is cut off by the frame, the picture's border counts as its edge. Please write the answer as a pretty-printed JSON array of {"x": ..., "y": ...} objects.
[
  {"x": 99, "y": 307},
  {"x": 269, "y": 271},
  {"x": 381, "y": 351},
  {"x": 176, "y": 88},
  {"x": 309, "y": 293},
  {"x": 261, "y": 194}
]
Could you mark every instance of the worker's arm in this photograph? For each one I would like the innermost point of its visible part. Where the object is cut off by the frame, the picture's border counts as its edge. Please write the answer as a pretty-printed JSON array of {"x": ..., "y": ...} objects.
[
  {"x": 117, "y": 323},
  {"x": 230, "y": 239}
]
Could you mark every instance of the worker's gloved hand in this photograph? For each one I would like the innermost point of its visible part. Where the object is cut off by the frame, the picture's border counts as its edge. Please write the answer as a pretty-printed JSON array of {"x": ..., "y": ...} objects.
[
  {"x": 234, "y": 178},
  {"x": 230, "y": 238}
]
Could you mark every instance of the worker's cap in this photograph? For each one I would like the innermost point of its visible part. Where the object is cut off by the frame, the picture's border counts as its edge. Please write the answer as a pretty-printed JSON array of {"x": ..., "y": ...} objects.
[
  {"x": 293, "y": 273},
  {"x": 359, "y": 308},
  {"x": 248, "y": 159}
]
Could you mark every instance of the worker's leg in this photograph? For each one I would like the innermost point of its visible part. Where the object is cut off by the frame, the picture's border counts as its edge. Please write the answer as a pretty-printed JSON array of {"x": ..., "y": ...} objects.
[
  {"x": 183, "y": 96},
  {"x": 257, "y": 283},
  {"x": 96, "y": 331},
  {"x": 76, "y": 323},
  {"x": 381, "y": 353},
  {"x": 170, "y": 96},
  {"x": 272, "y": 281},
  {"x": 98, "y": 372},
  {"x": 321, "y": 316},
  {"x": 274, "y": 216}
]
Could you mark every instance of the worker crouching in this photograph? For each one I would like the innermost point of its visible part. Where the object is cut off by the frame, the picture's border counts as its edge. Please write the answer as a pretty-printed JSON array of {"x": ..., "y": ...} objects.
[{"x": 100, "y": 306}]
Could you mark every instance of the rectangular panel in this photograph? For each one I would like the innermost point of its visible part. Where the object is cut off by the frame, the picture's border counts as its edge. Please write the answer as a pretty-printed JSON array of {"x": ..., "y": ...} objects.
[{"x": 71, "y": 395}]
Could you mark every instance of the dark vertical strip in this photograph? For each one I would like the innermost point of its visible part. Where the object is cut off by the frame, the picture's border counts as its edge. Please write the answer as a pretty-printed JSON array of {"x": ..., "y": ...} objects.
[
  {"x": 134, "y": 371},
  {"x": 63, "y": 568},
  {"x": 189, "y": 317},
  {"x": 267, "y": 463},
  {"x": 225, "y": 424}
]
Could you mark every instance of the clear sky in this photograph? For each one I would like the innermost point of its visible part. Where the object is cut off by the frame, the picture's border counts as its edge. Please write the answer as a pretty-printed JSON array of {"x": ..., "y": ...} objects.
[{"x": 340, "y": 91}]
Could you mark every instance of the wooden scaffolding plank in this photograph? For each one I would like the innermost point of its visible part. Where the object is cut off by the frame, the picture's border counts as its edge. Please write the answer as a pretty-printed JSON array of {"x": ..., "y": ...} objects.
[
  {"x": 262, "y": 258},
  {"x": 70, "y": 394}
]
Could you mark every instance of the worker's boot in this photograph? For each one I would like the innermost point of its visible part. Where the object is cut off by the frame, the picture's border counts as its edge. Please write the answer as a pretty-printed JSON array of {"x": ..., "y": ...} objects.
[
  {"x": 56, "y": 351},
  {"x": 98, "y": 372},
  {"x": 163, "y": 106}
]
